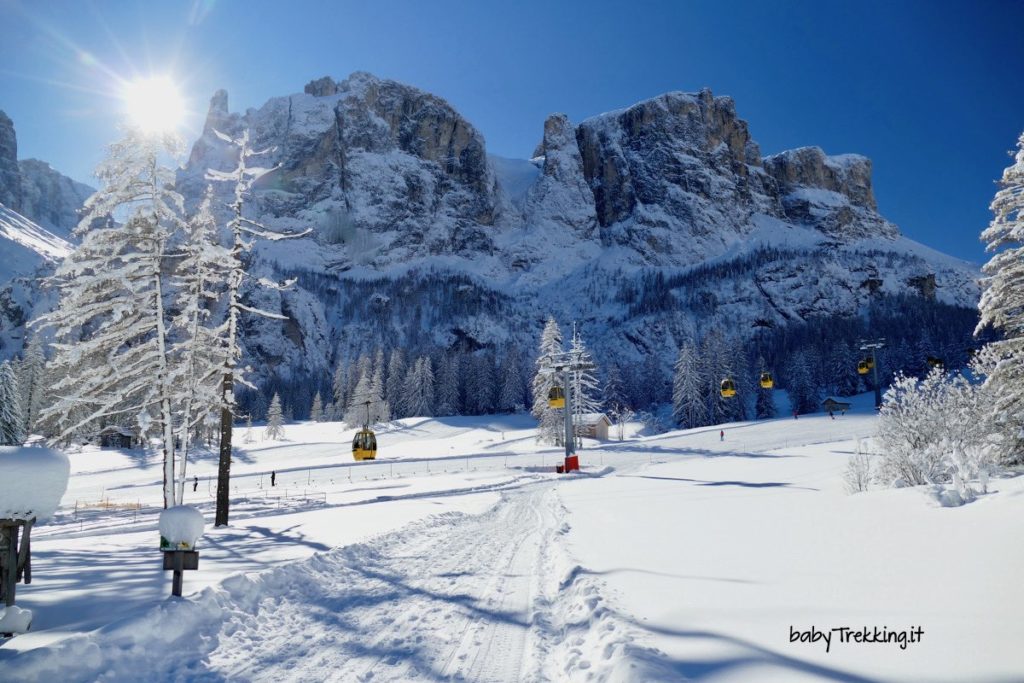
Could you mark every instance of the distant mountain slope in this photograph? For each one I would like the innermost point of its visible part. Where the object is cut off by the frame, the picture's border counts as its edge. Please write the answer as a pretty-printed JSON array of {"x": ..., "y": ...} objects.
[
  {"x": 26, "y": 245},
  {"x": 28, "y": 252}
]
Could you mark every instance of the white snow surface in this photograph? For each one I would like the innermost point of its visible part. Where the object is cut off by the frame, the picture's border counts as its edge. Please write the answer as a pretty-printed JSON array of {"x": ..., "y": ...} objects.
[
  {"x": 25, "y": 245},
  {"x": 32, "y": 482},
  {"x": 181, "y": 525},
  {"x": 460, "y": 555}
]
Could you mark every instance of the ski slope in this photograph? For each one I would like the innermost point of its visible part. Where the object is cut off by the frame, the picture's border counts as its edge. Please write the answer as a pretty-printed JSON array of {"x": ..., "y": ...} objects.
[{"x": 461, "y": 556}]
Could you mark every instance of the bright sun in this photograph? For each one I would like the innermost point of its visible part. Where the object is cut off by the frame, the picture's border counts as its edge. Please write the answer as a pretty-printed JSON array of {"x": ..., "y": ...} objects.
[{"x": 154, "y": 104}]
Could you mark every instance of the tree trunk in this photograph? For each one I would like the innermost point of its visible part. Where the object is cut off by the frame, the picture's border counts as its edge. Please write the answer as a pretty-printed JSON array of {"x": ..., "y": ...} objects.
[{"x": 224, "y": 466}]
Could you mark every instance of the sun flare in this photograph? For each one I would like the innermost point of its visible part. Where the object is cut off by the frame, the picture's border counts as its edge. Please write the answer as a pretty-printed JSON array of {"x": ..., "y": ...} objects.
[{"x": 154, "y": 104}]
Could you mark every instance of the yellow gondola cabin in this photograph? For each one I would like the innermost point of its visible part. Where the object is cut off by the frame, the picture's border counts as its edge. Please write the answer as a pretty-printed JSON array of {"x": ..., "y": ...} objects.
[
  {"x": 556, "y": 398},
  {"x": 766, "y": 380},
  {"x": 364, "y": 445},
  {"x": 728, "y": 388}
]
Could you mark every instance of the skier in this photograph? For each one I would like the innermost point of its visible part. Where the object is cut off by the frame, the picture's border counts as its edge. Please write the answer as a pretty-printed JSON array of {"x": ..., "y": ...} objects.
[
  {"x": 195, "y": 483},
  {"x": 721, "y": 435},
  {"x": 795, "y": 413},
  {"x": 831, "y": 415},
  {"x": 273, "y": 478}
]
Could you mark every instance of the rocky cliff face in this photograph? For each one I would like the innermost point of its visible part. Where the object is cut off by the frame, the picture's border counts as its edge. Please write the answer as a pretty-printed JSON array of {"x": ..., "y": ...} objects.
[
  {"x": 387, "y": 170},
  {"x": 34, "y": 190},
  {"x": 10, "y": 176},
  {"x": 51, "y": 198}
]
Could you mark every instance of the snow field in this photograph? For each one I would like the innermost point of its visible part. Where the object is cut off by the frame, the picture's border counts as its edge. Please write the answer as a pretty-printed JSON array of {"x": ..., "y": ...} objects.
[{"x": 671, "y": 557}]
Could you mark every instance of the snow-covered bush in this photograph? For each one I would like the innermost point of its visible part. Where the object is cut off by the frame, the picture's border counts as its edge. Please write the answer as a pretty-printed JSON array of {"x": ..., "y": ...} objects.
[
  {"x": 936, "y": 430},
  {"x": 857, "y": 475},
  {"x": 32, "y": 482}
]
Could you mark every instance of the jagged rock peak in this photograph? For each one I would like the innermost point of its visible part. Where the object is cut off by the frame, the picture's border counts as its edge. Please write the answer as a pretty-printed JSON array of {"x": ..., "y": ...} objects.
[
  {"x": 218, "y": 114},
  {"x": 321, "y": 87},
  {"x": 847, "y": 174}
]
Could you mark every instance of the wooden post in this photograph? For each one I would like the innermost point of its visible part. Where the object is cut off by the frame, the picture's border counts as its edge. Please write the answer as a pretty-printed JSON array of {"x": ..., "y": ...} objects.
[
  {"x": 12, "y": 564},
  {"x": 179, "y": 561}
]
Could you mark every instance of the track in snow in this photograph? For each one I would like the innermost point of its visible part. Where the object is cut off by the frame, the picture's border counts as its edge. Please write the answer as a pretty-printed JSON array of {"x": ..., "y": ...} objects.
[{"x": 450, "y": 598}]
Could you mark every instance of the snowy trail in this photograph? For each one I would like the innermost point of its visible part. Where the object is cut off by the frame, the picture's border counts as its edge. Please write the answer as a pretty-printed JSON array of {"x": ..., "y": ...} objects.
[{"x": 454, "y": 597}]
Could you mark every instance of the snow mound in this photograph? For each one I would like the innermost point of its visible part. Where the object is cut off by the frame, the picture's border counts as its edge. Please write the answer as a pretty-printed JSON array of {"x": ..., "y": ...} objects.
[
  {"x": 32, "y": 482},
  {"x": 14, "y": 619},
  {"x": 181, "y": 527}
]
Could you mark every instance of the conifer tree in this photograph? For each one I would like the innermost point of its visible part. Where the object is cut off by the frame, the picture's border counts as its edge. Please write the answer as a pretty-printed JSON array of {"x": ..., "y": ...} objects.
[
  {"x": 275, "y": 420},
  {"x": 32, "y": 382},
  {"x": 551, "y": 425},
  {"x": 1002, "y": 301},
  {"x": 418, "y": 395},
  {"x": 394, "y": 386},
  {"x": 110, "y": 325},
  {"x": 339, "y": 389},
  {"x": 689, "y": 403},
  {"x": 510, "y": 396},
  {"x": 448, "y": 382},
  {"x": 316, "y": 413},
  {"x": 12, "y": 424}
]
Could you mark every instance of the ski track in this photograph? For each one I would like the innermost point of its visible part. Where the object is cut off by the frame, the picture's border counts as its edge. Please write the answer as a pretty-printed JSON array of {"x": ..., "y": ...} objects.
[{"x": 454, "y": 598}]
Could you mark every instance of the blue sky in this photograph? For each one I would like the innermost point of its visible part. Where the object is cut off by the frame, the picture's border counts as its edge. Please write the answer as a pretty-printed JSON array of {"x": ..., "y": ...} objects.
[{"x": 931, "y": 91}]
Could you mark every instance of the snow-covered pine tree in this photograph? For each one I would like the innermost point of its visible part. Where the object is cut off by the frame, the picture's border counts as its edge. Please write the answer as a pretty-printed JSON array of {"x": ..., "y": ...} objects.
[
  {"x": 339, "y": 389},
  {"x": 448, "y": 383},
  {"x": 480, "y": 383},
  {"x": 380, "y": 410},
  {"x": 1002, "y": 301},
  {"x": 716, "y": 367},
  {"x": 510, "y": 396},
  {"x": 586, "y": 390},
  {"x": 12, "y": 423},
  {"x": 418, "y": 394},
  {"x": 689, "y": 386},
  {"x": 275, "y": 420},
  {"x": 243, "y": 231},
  {"x": 316, "y": 412},
  {"x": 198, "y": 352},
  {"x": 551, "y": 427},
  {"x": 32, "y": 382},
  {"x": 110, "y": 325},
  {"x": 803, "y": 395},
  {"x": 394, "y": 386},
  {"x": 366, "y": 392}
]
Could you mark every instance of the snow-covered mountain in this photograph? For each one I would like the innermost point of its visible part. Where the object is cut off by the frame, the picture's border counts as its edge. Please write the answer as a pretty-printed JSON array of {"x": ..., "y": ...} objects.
[
  {"x": 29, "y": 252},
  {"x": 38, "y": 210},
  {"x": 643, "y": 224}
]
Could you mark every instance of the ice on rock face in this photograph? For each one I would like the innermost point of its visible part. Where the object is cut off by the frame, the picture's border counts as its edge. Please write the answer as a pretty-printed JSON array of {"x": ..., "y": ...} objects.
[
  {"x": 32, "y": 482},
  {"x": 181, "y": 526}
]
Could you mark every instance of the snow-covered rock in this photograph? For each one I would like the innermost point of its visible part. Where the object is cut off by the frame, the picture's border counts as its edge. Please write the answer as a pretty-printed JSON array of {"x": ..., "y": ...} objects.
[
  {"x": 32, "y": 482},
  {"x": 181, "y": 526}
]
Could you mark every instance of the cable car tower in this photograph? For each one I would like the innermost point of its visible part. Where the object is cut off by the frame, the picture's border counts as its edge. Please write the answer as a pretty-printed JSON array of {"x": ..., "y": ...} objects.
[{"x": 564, "y": 366}]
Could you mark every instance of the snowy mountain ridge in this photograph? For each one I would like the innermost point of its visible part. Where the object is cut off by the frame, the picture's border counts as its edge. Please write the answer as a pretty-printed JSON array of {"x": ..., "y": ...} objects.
[{"x": 401, "y": 196}]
